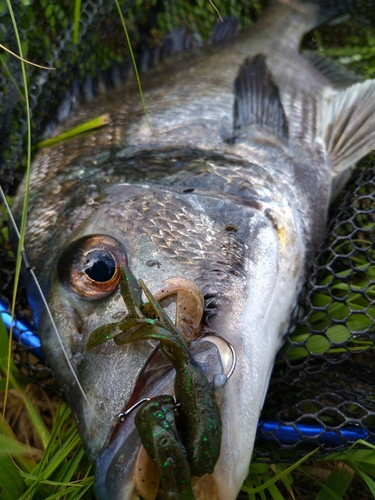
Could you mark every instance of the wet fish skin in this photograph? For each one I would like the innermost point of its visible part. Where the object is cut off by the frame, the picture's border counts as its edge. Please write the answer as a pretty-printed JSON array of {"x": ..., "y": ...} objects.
[{"x": 235, "y": 201}]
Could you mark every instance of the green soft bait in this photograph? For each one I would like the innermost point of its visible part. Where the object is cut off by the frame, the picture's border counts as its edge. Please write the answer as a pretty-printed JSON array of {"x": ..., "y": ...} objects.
[
  {"x": 200, "y": 418},
  {"x": 156, "y": 425}
]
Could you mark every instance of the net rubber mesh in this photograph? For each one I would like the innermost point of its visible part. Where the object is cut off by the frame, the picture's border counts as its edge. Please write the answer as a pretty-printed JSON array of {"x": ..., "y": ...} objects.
[
  {"x": 323, "y": 386},
  {"x": 322, "y": 389}
]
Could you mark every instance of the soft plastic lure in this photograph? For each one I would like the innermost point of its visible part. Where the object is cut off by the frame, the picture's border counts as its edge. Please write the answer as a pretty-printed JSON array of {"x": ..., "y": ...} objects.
[
  {"x": 267, "y": 430},
  {"x": 156, "y": 425},
  {"x": 199, "y": 412}
]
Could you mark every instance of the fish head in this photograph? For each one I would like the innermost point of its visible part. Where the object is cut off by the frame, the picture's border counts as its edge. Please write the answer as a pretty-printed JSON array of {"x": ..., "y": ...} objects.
[{"x": 229, "y": 249}]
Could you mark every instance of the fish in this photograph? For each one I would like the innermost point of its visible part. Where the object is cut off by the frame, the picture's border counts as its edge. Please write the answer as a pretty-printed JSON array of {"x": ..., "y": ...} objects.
[{"x": 229, "y": 188}]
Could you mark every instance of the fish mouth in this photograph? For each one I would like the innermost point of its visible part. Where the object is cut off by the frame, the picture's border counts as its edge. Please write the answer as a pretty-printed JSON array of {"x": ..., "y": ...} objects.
[{"x": 119, "y": 469}]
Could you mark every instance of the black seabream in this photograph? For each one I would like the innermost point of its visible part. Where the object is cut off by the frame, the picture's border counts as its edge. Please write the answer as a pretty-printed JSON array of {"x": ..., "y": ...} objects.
[{"x": 229, "y": 191}]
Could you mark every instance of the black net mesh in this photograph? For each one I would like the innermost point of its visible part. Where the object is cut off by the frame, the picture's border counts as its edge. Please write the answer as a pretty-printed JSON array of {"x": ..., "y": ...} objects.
[
  {"x": 326, "y": 370},
  {"x": 322, "y": 389}
]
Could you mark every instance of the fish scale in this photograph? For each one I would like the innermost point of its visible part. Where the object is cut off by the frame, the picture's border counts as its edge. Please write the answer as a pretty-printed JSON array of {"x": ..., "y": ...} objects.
[{"x": 249, "y": 143}]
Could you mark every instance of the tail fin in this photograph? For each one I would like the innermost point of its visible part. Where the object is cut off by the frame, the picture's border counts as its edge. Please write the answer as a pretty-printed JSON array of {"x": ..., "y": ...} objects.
[{"x": 348, "y": 129}]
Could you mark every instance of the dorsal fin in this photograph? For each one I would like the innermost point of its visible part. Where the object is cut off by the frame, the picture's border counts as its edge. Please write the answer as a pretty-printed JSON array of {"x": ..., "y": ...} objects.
[
  {"x": 257, "y": 100},
  {"x": 339, "y": 76},
  {"x": 223, "y": 29}
]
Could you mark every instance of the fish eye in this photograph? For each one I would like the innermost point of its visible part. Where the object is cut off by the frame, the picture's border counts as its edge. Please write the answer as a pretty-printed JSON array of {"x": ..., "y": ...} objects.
[{"x": 91, "y": 267}]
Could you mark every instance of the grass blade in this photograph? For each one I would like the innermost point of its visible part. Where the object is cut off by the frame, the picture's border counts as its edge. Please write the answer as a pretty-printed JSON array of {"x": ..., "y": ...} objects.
[
  {"x": 10, "y": 446},
  {"x": 25, "y": 204},
  {"x": 12, "y": 484},
  {"x": 93, "y": 124},
  {"x": 367, "y": 479},
  {"x": 134, "y": 65},
  {"x": 77, "y": 15},
  {"x": 6, "y": 365},
  {"x": 276, "y": 478},
  {"x": 338, "y": 482}
]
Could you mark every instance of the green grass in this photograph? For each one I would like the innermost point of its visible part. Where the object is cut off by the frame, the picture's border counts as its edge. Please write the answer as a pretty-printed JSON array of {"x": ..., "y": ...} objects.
[
  {"x": 54, "y": 465},
  {"x": 50, "y": 468}
]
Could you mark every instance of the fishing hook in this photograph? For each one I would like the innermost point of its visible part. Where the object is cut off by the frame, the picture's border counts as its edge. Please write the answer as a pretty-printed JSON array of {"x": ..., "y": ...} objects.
[{"x": 218, "y": 381}]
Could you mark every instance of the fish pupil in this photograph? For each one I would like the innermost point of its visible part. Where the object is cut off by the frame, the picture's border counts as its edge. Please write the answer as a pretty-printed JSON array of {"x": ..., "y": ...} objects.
[{"x": 99, "y": 265}]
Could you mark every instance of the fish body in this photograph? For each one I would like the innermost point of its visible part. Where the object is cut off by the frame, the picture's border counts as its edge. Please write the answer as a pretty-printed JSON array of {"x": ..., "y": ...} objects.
[{"x": 230, "y": 189}]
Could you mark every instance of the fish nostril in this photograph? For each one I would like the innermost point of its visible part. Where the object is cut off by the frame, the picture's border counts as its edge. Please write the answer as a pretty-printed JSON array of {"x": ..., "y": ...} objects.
[
  {"x": 78, "y": 325},
  {"x": 77, "y": 359}
]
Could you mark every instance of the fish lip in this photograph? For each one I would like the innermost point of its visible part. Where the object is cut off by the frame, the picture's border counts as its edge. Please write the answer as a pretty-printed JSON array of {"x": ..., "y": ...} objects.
[
  {"x": 157, "y": 367},
  {"x": 116, "y": 461},
  {"x": 114, "y": 465},
  {"x": 144, "y": 388}
]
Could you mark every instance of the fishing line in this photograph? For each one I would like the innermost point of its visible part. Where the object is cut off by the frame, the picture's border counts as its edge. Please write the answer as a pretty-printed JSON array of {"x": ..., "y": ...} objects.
[
  {"x": 268, "y": 430},
  {"x": 27, "y": 265},
  {"x": 31, "y": 271}
]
